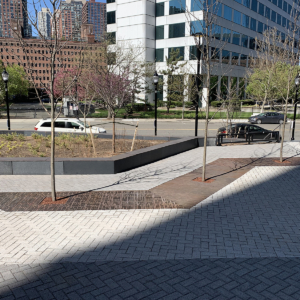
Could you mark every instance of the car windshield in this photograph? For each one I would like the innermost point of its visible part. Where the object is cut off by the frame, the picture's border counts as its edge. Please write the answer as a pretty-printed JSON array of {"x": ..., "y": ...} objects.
[{"x": 82, "y": 124}]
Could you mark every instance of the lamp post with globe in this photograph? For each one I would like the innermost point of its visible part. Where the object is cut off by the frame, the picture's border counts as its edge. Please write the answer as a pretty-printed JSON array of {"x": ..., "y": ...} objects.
[{"x": 5, "y": 77}]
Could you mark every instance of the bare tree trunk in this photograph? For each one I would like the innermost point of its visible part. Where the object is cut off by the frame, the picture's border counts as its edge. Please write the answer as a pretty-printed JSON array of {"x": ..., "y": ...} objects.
[
  {"x": 109, "y": 113},
  {"x": 114, "y": 135},
  {"x": 52, "y": 161},
  {"x": 205, "y": 142},
  {"x": 283, "y": 131},
  {"x": 206, "y": 122},
  {"x": 84, "y": 121},
  {"x": 182, "y": 116}
]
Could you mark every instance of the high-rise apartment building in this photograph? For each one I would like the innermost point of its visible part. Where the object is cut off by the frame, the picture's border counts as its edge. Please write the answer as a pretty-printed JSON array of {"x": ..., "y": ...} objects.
[
  {"x": 44, "y": 23},
  {"x": 71, "y": 19},
  {"x": 160, "y": 26},
  {"x": 95, "y": 13},
  {"x": 13, "y": 9}
]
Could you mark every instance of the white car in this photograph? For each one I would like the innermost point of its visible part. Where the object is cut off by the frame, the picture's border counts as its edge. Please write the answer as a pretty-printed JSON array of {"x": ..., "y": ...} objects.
[{"x": 70, "y": 125}]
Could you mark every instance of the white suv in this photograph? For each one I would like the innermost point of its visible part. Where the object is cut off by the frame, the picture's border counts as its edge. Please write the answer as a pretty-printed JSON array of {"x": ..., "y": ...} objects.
[{"x": 66, "y": 125}]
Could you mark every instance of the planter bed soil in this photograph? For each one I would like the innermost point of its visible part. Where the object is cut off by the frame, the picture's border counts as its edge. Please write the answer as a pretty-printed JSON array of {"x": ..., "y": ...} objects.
[{"x": 67, "y": 145}]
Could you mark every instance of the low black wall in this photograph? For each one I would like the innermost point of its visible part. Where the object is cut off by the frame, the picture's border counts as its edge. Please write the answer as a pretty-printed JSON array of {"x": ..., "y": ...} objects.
[{"x": 112, "y": 165}]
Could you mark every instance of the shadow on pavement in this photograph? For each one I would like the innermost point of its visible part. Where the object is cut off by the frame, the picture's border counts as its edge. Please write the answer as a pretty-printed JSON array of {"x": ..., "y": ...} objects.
[{"x": 240, "y": 243}]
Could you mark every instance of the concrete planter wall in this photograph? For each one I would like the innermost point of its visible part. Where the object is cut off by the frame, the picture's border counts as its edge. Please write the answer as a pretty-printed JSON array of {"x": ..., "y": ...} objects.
[{"x": 113, "y": 165}]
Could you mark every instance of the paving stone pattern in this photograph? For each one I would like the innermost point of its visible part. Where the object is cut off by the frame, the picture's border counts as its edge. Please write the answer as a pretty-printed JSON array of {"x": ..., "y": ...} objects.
[
  {"x": 242, "y": 242},
  {"x": 260, "y": 278},
  {"x": 70, "y": 201}
]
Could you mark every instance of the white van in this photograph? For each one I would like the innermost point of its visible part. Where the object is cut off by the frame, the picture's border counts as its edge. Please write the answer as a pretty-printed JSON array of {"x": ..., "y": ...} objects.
[{"x": 70, "y": 125}]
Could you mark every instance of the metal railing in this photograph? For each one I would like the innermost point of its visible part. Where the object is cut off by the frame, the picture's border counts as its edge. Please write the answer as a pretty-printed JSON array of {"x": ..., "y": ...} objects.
[{"x": 248, "y": 137}]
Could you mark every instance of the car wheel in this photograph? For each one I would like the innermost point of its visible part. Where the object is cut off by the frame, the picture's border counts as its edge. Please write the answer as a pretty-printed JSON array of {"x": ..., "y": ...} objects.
[
  {"x": 258, "y": 121},
  {"x": 280, "y": 121}
]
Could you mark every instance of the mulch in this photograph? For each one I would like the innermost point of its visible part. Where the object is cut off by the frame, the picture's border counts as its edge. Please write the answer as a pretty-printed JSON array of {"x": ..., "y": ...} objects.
[{"x": 182, "y": 192}]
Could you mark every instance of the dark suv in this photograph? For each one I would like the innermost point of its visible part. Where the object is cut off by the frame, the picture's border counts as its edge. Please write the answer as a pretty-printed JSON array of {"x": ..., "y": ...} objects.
[{"x": 267, "y": 118}]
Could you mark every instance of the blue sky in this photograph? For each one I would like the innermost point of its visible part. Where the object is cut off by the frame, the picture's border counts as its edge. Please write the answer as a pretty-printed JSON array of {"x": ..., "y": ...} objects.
[{"x": 38, "y": 6}]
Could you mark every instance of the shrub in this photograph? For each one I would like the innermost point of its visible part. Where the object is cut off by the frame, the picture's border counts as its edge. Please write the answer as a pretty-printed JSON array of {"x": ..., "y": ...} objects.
[
  {"x": 189, "y": 104},
  {"x": 248, "y": 102},
  {"x": 216, "y": 103},
  {"x": 161, "y": 103}
]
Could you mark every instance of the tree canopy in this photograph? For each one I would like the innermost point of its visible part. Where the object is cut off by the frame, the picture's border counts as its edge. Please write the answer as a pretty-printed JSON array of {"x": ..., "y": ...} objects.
[{"x": 18, "y": 83}]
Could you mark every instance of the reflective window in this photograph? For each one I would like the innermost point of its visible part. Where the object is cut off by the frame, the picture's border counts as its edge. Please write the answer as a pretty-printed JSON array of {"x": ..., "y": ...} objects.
[
  {"x": 245, "y": 21},
  {"x": 235, "y": 58},
  {"x": 260, "y": 27},
  {"x": 268, "y": 12},
  {"x": 253, "y": 24},
  {"x": 252, "y": 43},
  {"x": 243, "y": 60},
  {"x": 278, "y": 19},
  {"x": 218, "y": 9},
  {"x": 280, "y": 4},
  {"x": 193, "y": 52},
  {"x": 216, "y": 31},
  {"x": 254, "y": 5},
  {"x": 159, "y": 55},
  {"x": 245, "y": 41},
  {"x": 239, "y": 1},
  {"x": 237, "y": 17},
  {"x": 197, "y": 27},
  {"x": 226, "y": 35},
  {"x": 246, "y": 3},
  {"x": 236, "y": 38},
  {"x": 180, "y": 53},
  {"x": 176, "y": 30},
  {"x": 160, "y": 9},
  {"x": 273, "y": 16},
  {"x": 225, "y": 57},
  {"x": 284, "y": 6},
  {"x": 177, "y": 7},
  {"x": 274, "y": 2},
  {"x": 282, "y": 37},
  {"x": 261, "y": 9},
  {"x": 289, "y": 9},
  {"x": 196, "y": 5},
  {"x": 159, "y": 32},
  {"x": 283, "y": 22},
  {"x": 227, "y": 12},
  {"x": 111, "y": 17}
]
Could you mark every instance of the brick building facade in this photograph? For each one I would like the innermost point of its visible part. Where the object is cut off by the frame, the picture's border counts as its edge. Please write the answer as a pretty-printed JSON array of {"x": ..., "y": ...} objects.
[
  {"x": 36, "y": 56},
  {"x": 95, "y": 13}
]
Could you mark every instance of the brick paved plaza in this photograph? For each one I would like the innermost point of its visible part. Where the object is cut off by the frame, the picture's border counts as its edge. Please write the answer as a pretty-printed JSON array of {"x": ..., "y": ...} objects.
[{"x": 240, "y": 241}]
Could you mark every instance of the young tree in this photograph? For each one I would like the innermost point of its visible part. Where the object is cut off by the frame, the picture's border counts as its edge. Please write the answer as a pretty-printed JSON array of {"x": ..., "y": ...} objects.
[
  {"x": 119, "y": 75},
  {"x": 18, "y": 82},
  {"x": 261, "y": 85},
  {"x": 175, "y": 78},
  {"x": 53, "y": 55},
  {"x": 77, "y": 84},
  {"x": 207, "y": 38}
]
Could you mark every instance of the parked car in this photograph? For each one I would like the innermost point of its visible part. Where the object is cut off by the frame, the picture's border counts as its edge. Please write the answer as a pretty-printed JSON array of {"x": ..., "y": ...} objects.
[
  {"x": 71, "y": 125},
  {"x": 267, "y": 118},
  {"x": 240, "y": 129}
]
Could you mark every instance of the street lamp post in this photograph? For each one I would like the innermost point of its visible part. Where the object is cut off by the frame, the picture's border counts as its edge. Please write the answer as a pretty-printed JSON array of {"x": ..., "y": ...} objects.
[
  {"x": 297, "y": 82},
  {"x": 155, "y": 81},
  {"x": 5, "y": 77}
]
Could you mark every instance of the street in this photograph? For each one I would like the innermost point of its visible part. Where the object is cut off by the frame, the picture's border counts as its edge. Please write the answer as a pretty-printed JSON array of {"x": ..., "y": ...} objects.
[{"x": 166, "y": 128}]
